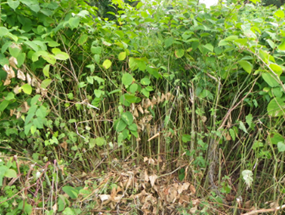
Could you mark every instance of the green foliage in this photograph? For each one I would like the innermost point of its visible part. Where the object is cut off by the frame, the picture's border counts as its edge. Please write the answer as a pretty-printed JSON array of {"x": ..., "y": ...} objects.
[{"x": 154, "y": 80}]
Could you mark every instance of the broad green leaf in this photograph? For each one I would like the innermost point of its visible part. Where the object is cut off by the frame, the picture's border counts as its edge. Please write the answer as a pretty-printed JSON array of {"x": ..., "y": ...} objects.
[
  {"x": 107, "y": 64},
  {"x": 37, "y": 123},
  {"x": 264, "y": 56},
  {"x": 45, "y": 83},
  {"x": 270, "y": 79},
  {"x": 10, "y": 96},
  {"x": 122, "y": 56},
  {"x": 133, "y": 63},
  {"x": 271, "y": 43},
  {"x": 257, "y": 144},
  {"x": 281, "y": 146},
  {"x": 49, "y": 58},
  {"x": 282, "y": 45},
  {"x": 42, "y": 112},
  {"x": 275, "y": 138},
  {"x": 127, "y": 79},
  {"x": 145, "y": 81},
  {"x": 209, "y": 47},
  {"x": 100, "y": 141},
  {"x": 242, "y": 126},
  {"x": 125, "y": 133},
  {"x": 97, "y": 58},
  {"x": 133, "y": 127},
  {"x": 13, "y": 4},
  {"x": 14, "y": 51},
  {"x": 186, "y": 138},
  {"x": 276, "y": 107},
  {"x": 58, "y": 54},
  {"x": 132, "y": 98},
  {"x": 32, "y": 4},
  {"x": 83, "y": 38},
  {"x": 127, "y": 117},
  {"x": 246, "y": 66},
  {"x": 276, "y": 69},
  {"x": 46, "y": 70},
  {"x": 168, "y": 42},
  {"x": 27, "y": 89},
  {"x": 35, "y": 99},
  {"x": 96, "y": 50},
  {"x": 133, "y": 88},
  {"x": 248, "y": 120},
  {"x": 232, "y": 133},
  {"x": 70, "y": 191},
  {"x": 4, "y": 31},
  {"x": 74, "y": 22},
  {"x": 145, "y": 93},
  {"x": 135, "y": 133},
  {"x": 120, "y": 125},
  {"x": 279, "y": 14},
  {"x": 10, "y": 173},
  {"x": 21, "y": 59},
  {"x": 179, "y": 53},
  {"x": 53, "y": 43}
]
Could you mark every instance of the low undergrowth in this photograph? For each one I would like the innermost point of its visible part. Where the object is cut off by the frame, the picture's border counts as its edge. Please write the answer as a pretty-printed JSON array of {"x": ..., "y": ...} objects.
[{"x": 168, "y": 109}]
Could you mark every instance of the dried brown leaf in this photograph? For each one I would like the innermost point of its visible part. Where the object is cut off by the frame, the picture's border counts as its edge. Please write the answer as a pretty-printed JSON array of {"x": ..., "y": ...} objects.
[
  {"x": 152, "y": 179},
  {"x": 21, "y": 75}
]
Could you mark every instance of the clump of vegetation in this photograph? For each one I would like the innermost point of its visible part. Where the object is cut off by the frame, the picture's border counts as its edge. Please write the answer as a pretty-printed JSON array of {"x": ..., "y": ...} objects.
[{"x": 165, "y": 107}]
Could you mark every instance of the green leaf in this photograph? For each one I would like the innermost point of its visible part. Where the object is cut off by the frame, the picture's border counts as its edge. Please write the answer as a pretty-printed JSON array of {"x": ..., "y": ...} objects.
[
  {"x": 232, "y": 133},
  {"x": 35, "y": 99},
  {"x": 145, "y": 81},
  {"x": 3, "y": 105},
  {"x": 133, "y": 88},
  {"x": 13, "y": 4},
  {"x": 74, "y": 22},
  {"x": 53, "y": 43},
  {"x": 127, "y": 117},
  {"x": 276, "y": 107},
  {"x": 42, "y": 112},
  {"x": 45, "y": 83},
  {"x": 4, "y": 31},
  {"x": 281, "y": 146},
  {"x": 32, "y": 4},
  {"x": 120, "y": 125},
  {"x": 186, "y": 138},
  {"x": 248, "y": 120},
  {"x": 100, "y": 141},
  {"x": 70, "y": 191},
  {"x": 14, "y": 51},
  {"x": 46, "y": 70},
  {"x": 58, "y": 54},
  {"x": 246, "y": 66},
  {"x": 279, "y": 14},
  {"x": 10, "y": 96},
  {"x": 127, "y": 79},
  {"x": 131, "y": 98},
  {"x": 27, "y": 89},
  {"x": 282, "y": 45},
  {"x": 179, "y": 53},
  {"x": 83, "y": 38},
  {"x": 122, "y": 56},
  {"x": 96, "y": 50},
  {"x": 242, "y": 126},
  {"x": 270, "y": 79},
  {"x": 133, "y": 127},
  {"x": 145, "y": 92},
  {"x": 133, "y": 63},
  {"x": 10, "y": 173},
  {"x": 209, "y": 47},
  {"x": 107, "y": 64},
  {"x": 135, "y": 133},
  {"x": 168, "y": 42},
  {"x": 276, "y": 69}
]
